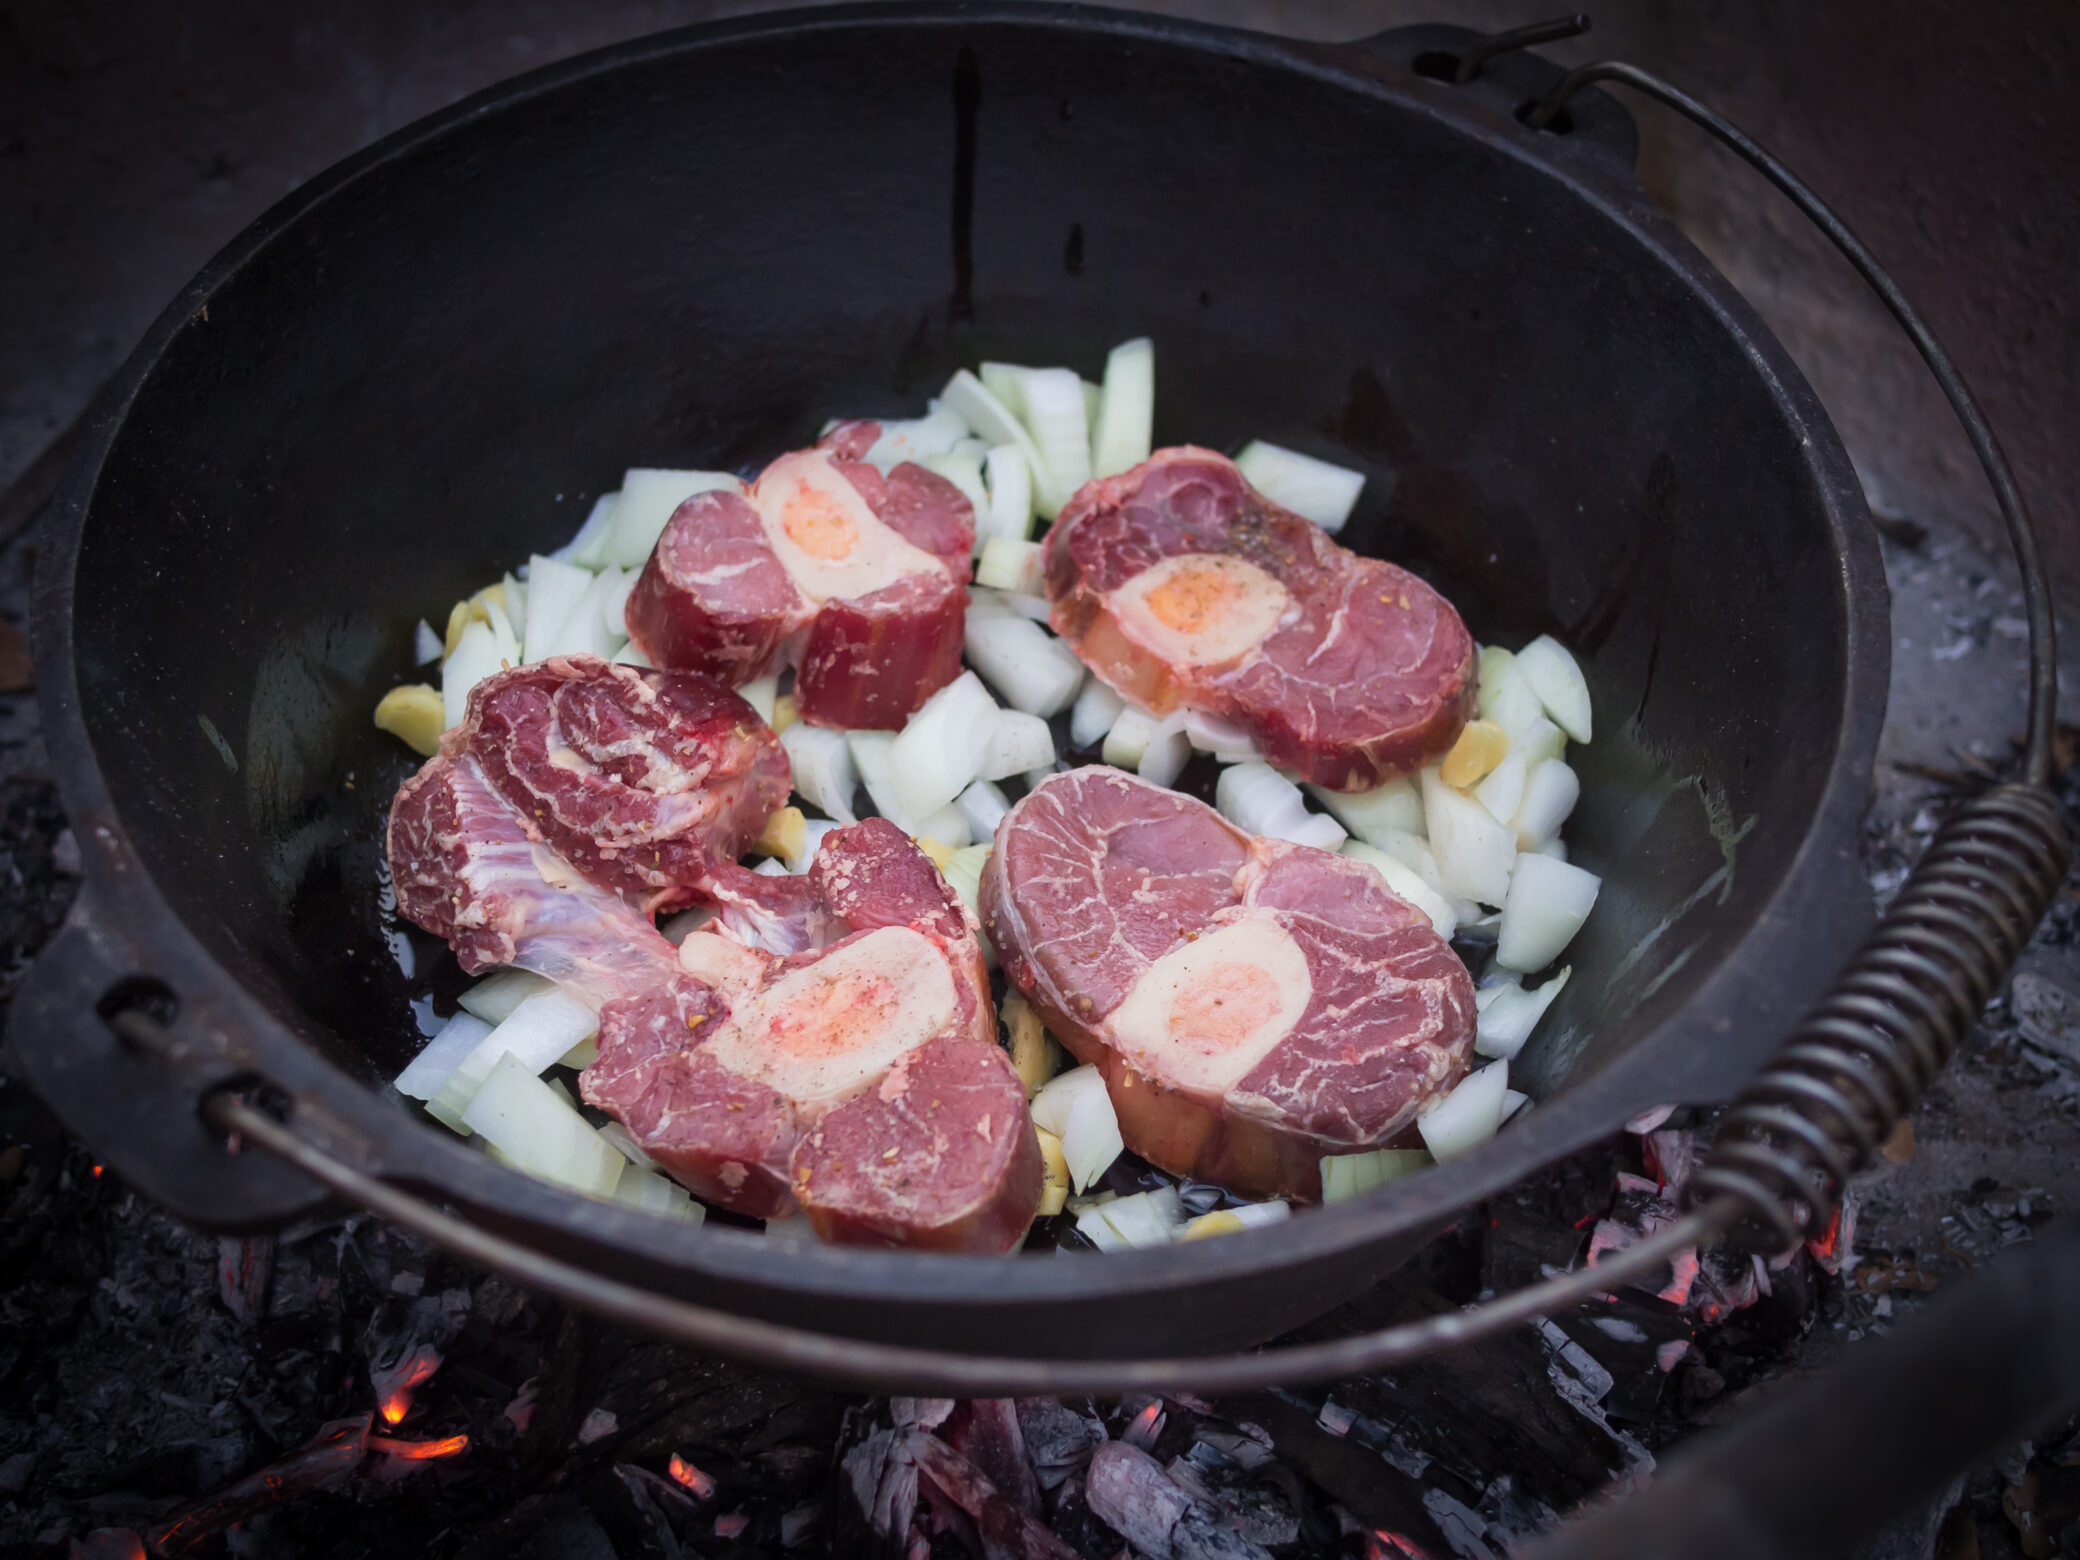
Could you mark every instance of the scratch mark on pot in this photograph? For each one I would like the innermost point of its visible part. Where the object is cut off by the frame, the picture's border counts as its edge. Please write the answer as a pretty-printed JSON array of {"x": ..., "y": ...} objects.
[{"x": 216, "y": 740}]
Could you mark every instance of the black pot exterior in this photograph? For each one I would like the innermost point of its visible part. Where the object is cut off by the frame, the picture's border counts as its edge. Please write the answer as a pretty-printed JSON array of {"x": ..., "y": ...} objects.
[{"x": 691, "y": 250}]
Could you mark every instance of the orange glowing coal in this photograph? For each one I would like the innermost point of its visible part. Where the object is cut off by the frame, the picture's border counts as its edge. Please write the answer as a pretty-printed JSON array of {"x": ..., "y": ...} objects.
[
  {"x": 691, "y": 1477},
  {"x": 395, "y": 1386},
  {"x": 1383, "y": 1545},
  {"x": 419, "y": 1451}
]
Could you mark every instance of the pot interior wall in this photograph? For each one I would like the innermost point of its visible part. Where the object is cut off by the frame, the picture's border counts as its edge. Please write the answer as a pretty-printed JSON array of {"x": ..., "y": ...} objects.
[{"x": 695, "y": 257}]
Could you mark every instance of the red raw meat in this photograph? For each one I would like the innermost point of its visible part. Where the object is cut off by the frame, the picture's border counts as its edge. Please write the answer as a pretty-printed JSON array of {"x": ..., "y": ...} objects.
[
  {"x": 645, "y": 781},
  {"x": 1180, "y": 585},
  {"x": 1253, "y": 1004},
  {"x": 860, "y": 1081},
  {"x": 857, "y": 579}
]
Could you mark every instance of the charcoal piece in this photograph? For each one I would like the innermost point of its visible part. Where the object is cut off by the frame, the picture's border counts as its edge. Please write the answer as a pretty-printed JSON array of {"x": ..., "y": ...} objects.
[
  {"x": 1130, "y": 1492},
  {"x": 244, "y": 1265},
  {"x": 877, "y": 1490},
  {"x": 1005, "y": 1527},
  {"x": 569, "y": 1532},
  {"x": 1378, "y": 1494},
  {"x": 986, "y": 1432},
  {"x": 1251, "y": 1507},
  {"x": 635, "y": 1509},
  {"x": 328, "y": 1460},
  {"x": 1058, "y": 1439}
]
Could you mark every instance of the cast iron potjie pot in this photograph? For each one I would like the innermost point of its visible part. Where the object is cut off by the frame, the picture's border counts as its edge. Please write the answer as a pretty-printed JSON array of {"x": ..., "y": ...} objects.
[{"x": 691, "y": 250}]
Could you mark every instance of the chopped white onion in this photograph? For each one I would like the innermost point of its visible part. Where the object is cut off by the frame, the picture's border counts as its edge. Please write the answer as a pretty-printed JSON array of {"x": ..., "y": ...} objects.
[
  {"x": 1132, "y": 731},
  {"x": 1468, "y": 1116},
  {"x": 654, "y": 1193},
  {"x": 772, "y": 866},
  {"x": 1075, "y": 1108},
  {"x": 1408, "y": 883},
  {"x": 1005, "y": 381},
  {"x": 1548, "y": 902},
  {"x": 1257, "y": 799},
  {"x": 1060, "y": 425},
  {"x": 534, "y": 1129},
  {"x": 1097, "y": 707},
  {"x": 501, "y": 626},
  {"x": 964, "y": 873},
  {"x": 1396, "y": 805},
  {"x": 1310, "y": 488},
  {"x": 427, "y": 646},
  {"x": 813, "y": 832},
  {"x": 648, "y": 500},
  {"x": 514, "y": 590},
  {"x": 761, "y": 693},
  {"x": 984, "y": 806},
  {"x": 622, "y": 1141},
  {"x": 424, "y": 1075},
  {"x": 1555, "y": 848},
  {"x": 476, "y": 657},
  {"x": 1556, "y": 677},
  {"x": 991, "y": 419},
  {"x": 964, "y": 470},
  {"x": 1017, "y": 742},
  {"x": 1036, "y": 672},
  {"x": 1222, "y": 738},
  {"x": 1494, "y": 665},
  {"x": 916, "y": 439},
  {"x": 1550, "y": 792},
  {"x": 1347, "y": 1175},
  {"x": 536, "y": 1034},
  {"x": 1502, "y": 788},
  {"x": 940, "y": 751},
  {"x": 823, "y": 771},
  {"x": 554, "y": 590},
  {"x": 870, "y": 757},
  {"x": 1538, "y": 742},
  {"x": 1508, "y": 1014},
  {"x": 1010, "y": 480},
  {"x": 1513, "y": 1100},
  {"x": 1164, "y": 756},
  {"x": 1515, "y": 706},
  {"x": 945, "y": 825},
  {"x": 1474, "y": 852},
  {"x": 583, "y": 549},
  {"x": 1008, "y": 565},
  {"x": 495, "y": 996},
  {"x": 613, "y": 601},
  {"x": 1152, "y": 1218},
  {"x": 1124, "y": 431}
]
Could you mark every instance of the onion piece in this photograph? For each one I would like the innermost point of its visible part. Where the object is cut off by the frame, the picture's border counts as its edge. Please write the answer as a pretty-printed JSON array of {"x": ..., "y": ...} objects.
[
  {"x": 1257, "y": 799},
  {"x": 495, "y": 996},
  {"x": 537, "y": 1034},
  {"x": 1405, "y": 881},
  {"x": 535, "y": 1130},
  {"x": 1060, "y": 425},
  {"x": 613, "y": 601},
  {"x": 943, "y": 827},
  {"x": 940, "y": 751},
  {"x": 1347, "y": 1175},
  {"x": 1076, "y": 1109},
  {"x": 1005, "y": 381},
  {"x": 554, "y": 590},
  {"x": 648, "y": 500},
  {"x": 583, "y": 549},
  {"x": 1010, "y": 481},
  {"x": 1146, "y": 1219},
  {"x": 1502, "y": 788},
  {"x": 870, "y": 757},
  {"x": 1510, "y": 1013},
  {"x": 917, "y": 439},
  {"x": 1097, "y": 708},
  {"x": 1515, "y": 706},
  {"x": 813, "y": 832},
  {"x": 1556, "y": 677},
  {"x": 1513, "y": 1100},
  {"x": 427, "y": 646},
  {"x": 1468, "y": 1116},
  {"x": 1539, "y": 741},
  {"x": 1129, "y": 738},
  {"x": 426, "y": 1072},
  {"x": 984, "y": 806},
  {"x": 1222, "y": 738},
  {"x": 1474, "y": 852},
  {"x": 1005, "y": 564},
  {"x": 823, "y": 771},
  {"x": 963, "y": 871},
  {"x": 1313, "y": 489},
  {"x": 1494, "y": 664},
  {"x": 1124, "y": 430},
  {"x": 654, "y": 1193},
  {"x": 1017, "y": 742},
  {"x": 1548, "y": 902},
  {"x": 1396, "y": 805},
  {"x": 761, "y": 693},
  {"x": 514, "y": 590},
  {"x": 1550, "y": 792},
  {"x": 964, "y": 470},
  {"x": 476, "y": 657},
  {"x": 1165, "y": 755},
  {"x": 991, "y": 419},
  {"x": 622, "y": 1141},
  {"x": 1555, "y": 848},
  {"x": 1036, "y": 672},
  {"x": 1231, "y": 1221}
]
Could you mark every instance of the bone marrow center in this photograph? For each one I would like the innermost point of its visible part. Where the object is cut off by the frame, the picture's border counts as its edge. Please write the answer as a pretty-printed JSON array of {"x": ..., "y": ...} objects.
[
  {"x": 1205, "y": 1014},
  {"x": 818, "y": 525},
  {"x": 823, "y": 1033},
  {"x": 1201, "y": 609},
  {"x": 825, "y": 535}
]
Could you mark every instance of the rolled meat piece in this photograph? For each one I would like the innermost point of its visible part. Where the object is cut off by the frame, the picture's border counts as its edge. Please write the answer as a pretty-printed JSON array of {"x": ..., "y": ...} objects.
[
  {"x": 647, "y": 782},
  {"x": 857, "y": 579},
  {"x": 1253, "y": 1005},
  {"x": 858, "y": 1081},
  {"x": 1182, "y": 586}
]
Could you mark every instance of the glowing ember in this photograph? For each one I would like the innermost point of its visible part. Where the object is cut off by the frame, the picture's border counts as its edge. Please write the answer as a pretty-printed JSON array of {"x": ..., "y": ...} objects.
[
  {"x": 394, "y": 1386},
  {"x": 1145, "y": 1427},
  {"x": 97, "y": 1172},
  {"x": 691, "y": 1477},
  {"x": 1383, "y": 1545},
  {"x": 731, "y": 1525},
  {"x": 419, "y": 1451}
]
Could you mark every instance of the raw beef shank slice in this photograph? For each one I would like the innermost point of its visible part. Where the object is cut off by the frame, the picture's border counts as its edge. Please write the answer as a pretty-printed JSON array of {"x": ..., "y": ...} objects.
[
  {"x": 1253, "y": 1005},
  {"x": 1182, "y": 586},
  {"x": 857, "y": 579}
]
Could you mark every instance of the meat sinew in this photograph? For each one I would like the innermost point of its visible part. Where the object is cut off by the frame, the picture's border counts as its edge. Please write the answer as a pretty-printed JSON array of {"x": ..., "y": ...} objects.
[
  {"x": 1252, "y": 1004},
  {"x": 645, "y": 781},
  {"x": 860, "y": 1081},
  {"x": 856, "y": 578},
  {"x": 1181, "y": 585}
]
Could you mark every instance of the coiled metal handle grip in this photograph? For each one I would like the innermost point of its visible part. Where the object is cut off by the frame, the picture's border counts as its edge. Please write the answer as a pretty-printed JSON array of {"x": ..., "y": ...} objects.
[{"x": 1856, "y": 1065}]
